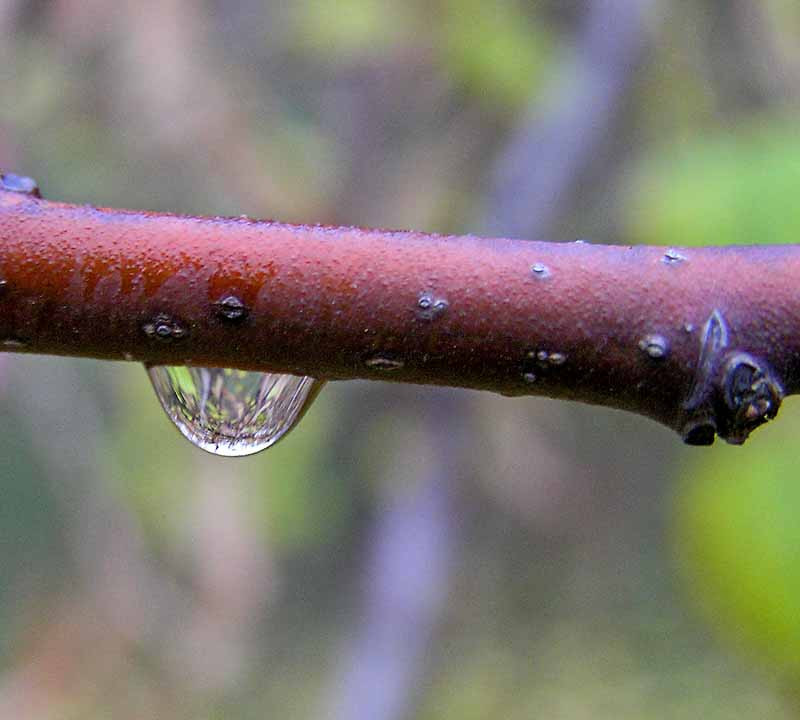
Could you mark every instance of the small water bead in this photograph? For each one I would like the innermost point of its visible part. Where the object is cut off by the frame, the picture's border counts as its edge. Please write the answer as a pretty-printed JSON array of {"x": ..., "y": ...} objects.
[
  {"x": 232, "y": 412},
  {"x": 425, "y": 302},
  {"x": 430, "y": 307},
  {"x": 231, "y": 308},
  {"x": 672, "y": 257},
  {"x": 386, "y": 364},
  {"x": 654, "y": 346},
  {"x": 163, "y": 327},
  {"x": 540, "y": 270},
  {"x": 19, "y": 183},
  {"x": 545, "y": 358}
]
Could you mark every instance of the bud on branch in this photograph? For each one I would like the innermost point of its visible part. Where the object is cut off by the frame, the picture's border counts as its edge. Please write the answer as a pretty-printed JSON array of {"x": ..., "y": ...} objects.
[{"x": 704, "y": 340}]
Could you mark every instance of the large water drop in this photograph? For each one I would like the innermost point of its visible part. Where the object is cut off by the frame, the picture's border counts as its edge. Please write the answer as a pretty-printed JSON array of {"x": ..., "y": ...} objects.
[{"x": 232, "y": 412}]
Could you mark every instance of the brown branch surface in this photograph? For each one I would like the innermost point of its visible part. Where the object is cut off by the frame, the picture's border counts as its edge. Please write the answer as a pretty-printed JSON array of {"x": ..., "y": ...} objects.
[{"x": 705, "y": 340}]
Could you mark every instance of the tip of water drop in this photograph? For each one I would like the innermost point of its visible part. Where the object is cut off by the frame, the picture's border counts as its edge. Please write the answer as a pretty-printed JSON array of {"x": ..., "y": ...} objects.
[{"x": 232, "y": 412}]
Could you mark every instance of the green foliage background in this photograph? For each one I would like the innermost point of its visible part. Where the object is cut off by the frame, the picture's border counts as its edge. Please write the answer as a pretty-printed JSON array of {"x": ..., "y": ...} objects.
[{"x": 603, "y": 570}]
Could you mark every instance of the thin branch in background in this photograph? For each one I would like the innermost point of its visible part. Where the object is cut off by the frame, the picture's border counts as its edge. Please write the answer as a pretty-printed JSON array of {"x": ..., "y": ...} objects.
[
  {"x": 407, "y": 573},
  {"x": 124, "y": 598},
  {"x": 548, "y": 152}
]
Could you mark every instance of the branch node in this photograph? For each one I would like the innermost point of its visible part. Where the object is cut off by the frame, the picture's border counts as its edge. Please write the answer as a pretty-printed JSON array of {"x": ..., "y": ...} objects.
[
  {"x": 741, "y": 395},
  {"x": 751, "y": 396}
]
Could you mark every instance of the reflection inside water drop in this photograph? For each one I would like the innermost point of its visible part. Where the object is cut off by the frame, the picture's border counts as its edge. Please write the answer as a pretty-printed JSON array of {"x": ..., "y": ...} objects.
[{"x": 232, "y": 412}]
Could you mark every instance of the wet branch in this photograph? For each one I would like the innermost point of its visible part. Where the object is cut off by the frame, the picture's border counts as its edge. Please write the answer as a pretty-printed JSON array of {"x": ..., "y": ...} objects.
[{"x": 704, "y": 340}]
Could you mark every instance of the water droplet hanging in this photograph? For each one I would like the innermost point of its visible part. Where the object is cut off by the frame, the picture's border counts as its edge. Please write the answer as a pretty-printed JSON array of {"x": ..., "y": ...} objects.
[{"x": 232, "y": 412}]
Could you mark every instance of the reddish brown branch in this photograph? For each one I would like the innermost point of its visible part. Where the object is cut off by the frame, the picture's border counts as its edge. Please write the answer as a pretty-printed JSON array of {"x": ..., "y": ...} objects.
[{"x": 701, "y": 339}]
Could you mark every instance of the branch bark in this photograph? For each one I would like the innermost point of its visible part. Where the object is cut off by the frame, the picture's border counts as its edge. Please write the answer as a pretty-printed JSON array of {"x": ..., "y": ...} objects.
[{"x": 704, "y": 340}]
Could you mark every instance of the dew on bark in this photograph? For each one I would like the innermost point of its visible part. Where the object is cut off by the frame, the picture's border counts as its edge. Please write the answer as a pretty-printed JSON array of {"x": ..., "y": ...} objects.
[
  {"x": 164, "y": 328},
  {"x": 540, "y": 270},
  {"x": 19, "y": 183},
  {"x": 654, "y": 346},
  {"x": 383, "y": 363},
  {"x": 430, "y": 307},
  {"x": 232, "y": 412},
  {"x": 231, "y": 308},
  {"x": 546, "y": 358},
  {"x": 673, "y": 257}
]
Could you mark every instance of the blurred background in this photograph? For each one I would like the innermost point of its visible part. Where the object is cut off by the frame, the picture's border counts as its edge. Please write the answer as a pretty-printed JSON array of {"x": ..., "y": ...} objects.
[{"x": 406, "y": 552}]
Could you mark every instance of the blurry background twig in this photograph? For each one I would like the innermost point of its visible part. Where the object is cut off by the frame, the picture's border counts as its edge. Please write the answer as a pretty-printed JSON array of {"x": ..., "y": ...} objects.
[
  {"x": 570, "y": 128},
  {"x": 141, "y": 578}
]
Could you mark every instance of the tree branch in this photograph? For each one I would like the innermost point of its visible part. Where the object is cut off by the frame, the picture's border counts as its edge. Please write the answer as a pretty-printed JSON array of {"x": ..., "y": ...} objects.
[{"x": 703, "y": 340}]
